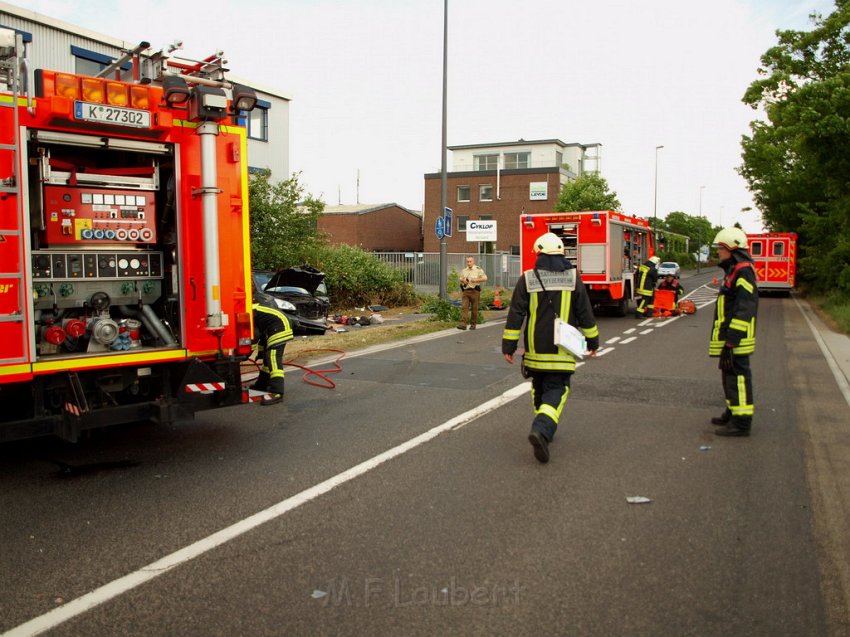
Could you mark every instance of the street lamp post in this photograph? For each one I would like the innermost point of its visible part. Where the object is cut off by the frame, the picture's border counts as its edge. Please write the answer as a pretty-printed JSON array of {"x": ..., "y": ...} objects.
[
  {"x": 655, "y": 200},
  {"x": 699, "y": 231}
]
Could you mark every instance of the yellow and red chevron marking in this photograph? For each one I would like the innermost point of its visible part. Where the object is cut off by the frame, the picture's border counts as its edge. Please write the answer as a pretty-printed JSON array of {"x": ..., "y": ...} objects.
[{"x": 204, "y": 387}]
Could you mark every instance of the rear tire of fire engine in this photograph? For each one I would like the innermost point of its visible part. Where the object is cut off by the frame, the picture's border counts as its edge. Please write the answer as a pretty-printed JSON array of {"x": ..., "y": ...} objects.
[{"x": 622, "y": 307}]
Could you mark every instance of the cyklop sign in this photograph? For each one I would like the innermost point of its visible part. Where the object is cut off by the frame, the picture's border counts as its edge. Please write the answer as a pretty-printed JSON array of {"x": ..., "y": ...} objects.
[{"x": 481, "y": 230}]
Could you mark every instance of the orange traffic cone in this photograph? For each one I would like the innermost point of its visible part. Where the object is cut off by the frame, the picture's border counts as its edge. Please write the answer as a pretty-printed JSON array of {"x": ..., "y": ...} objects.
[
  {"x": 714, "y": 280},
  {"x": 497, "y": 299}
]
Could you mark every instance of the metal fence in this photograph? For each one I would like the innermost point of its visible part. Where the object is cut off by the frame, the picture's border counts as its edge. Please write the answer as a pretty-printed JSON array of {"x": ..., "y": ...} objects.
[{"x": 422, "y": 269}]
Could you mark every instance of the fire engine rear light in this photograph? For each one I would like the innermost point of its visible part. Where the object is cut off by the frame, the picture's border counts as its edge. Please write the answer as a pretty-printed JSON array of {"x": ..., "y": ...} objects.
[
  {"x": 140, "y": 97},
  {"x": 67, "y": 86},
  {"x": 243, "y": 333},
  {"x": 93, "y": 90},
  {"x": 116, "y": 93}
]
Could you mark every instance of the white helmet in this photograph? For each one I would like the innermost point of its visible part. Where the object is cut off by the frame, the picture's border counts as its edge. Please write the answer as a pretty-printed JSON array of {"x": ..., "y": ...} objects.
[
  {"x": 731, "y": 238},
  {"x": 549, "y": 243},
  {"x": 655, "y": 260}
]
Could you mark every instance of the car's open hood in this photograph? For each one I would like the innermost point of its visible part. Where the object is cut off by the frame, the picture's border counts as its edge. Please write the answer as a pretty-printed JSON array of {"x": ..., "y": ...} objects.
[{"x": 304, "y": 276}]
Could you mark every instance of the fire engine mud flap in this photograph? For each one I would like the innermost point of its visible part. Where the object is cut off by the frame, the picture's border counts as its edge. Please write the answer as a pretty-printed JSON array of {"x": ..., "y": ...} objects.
[{"x": 207, "y": 386}]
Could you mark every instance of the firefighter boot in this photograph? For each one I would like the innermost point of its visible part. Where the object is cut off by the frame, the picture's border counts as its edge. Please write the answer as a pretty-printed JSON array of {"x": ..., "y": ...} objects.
[
  {"x": 272, "y": 399},
  {"x": 732, "y": 430},
  {"x": 262, "y": 382},
  {"x": 541, "y": 446},
  {"x": 722, "y": 420}
]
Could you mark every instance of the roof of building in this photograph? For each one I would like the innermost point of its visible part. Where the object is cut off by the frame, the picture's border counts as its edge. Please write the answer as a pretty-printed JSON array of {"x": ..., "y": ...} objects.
[
  {"x": 522, "y": 142},
  {"x": 362, "y": 209}
]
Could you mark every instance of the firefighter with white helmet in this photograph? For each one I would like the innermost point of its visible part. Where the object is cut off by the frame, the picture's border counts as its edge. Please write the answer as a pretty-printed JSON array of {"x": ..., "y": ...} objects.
[
  {"x": 551, "y": 289},
  {"x": 733, "y": 332},
  {"x": 647, "y": 278}
]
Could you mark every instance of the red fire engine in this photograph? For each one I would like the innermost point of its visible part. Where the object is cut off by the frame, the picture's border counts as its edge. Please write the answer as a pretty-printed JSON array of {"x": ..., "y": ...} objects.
[
  {"x": 604, "y": 245},
  {"x": 124, "y": 242},
  {"x": 775, "y": 257}
]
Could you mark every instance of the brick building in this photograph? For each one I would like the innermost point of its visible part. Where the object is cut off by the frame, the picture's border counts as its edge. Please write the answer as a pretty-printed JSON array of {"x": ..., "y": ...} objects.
[
  {"x": 500, "y": 181},
  {"x": 384, "y": 227}
]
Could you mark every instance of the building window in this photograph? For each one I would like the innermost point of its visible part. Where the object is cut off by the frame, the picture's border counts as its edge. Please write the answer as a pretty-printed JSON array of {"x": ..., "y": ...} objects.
[
  {"x": 559, "y": 159},
  {"x": 485, "y": 162},
  {"x": 485, "y": 217},
  {"x": 463, "y": 193},
  {"x": 90, "y": 63},
  {"x": 461, "y": 223},
  {"x": 258, "y": 123},
  {"x": 517, "y": 160},
  {"x": 485, "y": 192}
]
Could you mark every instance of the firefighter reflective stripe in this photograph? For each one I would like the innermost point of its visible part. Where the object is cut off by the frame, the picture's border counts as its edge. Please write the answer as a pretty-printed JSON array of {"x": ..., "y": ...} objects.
[
  {"x": 741, "y": 406},
  {"x": 511, "y": 335},
  {"x": 554, "y": 412},
  {"x": 549, "y": 362},
  {"x": 590, "y": 332},
  {"x": 738, "y": 324},
  {"x": 743, "y": 283}
]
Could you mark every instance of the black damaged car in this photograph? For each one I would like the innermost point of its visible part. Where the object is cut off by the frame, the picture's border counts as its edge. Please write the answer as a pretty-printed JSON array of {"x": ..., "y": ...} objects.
[{"x": 300, "y": 293}]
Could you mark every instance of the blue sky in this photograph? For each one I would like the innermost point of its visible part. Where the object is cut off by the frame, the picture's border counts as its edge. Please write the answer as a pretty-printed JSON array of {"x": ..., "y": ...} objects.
[{"x": 366, "y": 82}]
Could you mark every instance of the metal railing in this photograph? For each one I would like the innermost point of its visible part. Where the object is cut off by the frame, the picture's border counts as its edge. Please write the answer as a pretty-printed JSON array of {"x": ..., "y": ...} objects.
[{"x": 422, "y": 269}]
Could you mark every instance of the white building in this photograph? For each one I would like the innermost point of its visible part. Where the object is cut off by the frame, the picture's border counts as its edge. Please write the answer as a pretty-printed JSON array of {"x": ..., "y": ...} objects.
[{"x": 60, "y": 46}]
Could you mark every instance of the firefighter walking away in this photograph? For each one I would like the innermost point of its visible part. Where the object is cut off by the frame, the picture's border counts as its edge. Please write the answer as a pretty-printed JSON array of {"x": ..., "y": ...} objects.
[
  {"x": 647, "y": 278},
  {"x": 552, "y": 289},
  {"x": 273, "y": 332}
]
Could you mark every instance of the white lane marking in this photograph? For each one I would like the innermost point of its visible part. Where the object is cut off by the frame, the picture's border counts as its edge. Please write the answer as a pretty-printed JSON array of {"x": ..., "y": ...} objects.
[
  {"x": 602, "y": 352},
  {"x": 830, "y": 359},
  {"x": 612, "y": 340},
  {"x": 132, "y": 580},
  {"x": 628, "y": 340},
  {"x": 649, "y": 331},
  {"x": 629, "y": 331}
]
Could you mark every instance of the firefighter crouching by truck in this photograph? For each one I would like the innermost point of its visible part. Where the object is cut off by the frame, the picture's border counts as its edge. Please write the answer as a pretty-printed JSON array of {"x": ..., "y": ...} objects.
[
  {"x": 552, "y": 288},
  {"x": 733, "y": 332},
  {"x": 647, "y": 278},
  {"x": 273, "y": 332}
]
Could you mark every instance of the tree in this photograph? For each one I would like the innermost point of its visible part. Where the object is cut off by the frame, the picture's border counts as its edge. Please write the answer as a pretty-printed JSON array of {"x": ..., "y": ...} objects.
[
  {"x": 284, "y": 224},
  {"x": 587, "y": 192},
  {"x": 796, "y": 162}
]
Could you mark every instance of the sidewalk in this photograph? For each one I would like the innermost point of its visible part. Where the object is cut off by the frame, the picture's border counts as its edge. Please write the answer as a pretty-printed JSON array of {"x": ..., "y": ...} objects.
[{"x": 834, "y": 345}]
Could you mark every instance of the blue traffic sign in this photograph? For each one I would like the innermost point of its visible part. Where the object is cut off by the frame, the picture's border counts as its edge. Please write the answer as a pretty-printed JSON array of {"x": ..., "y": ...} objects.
[
  {"x": 447, "y": 222},
  {"x": 439, "y": 229}
]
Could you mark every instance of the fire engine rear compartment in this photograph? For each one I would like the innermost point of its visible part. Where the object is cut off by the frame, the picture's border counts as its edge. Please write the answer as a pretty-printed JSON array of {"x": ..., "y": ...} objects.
[
  {"x": 104, "y": 240},
  {"x": 105, "y": 279}
]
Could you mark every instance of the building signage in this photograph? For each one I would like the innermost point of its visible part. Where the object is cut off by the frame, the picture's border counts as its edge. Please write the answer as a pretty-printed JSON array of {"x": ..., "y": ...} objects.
[
  {"x": 538, "y": 190},
  {"x": 481, "y": 230}
]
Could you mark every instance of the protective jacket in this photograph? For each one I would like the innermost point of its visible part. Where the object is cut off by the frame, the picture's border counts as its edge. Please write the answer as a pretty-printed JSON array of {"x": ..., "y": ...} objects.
[
  {"x": 569, "y": 299},
  {"x": 271, "y": 326},
  {"x": 647, "y": 278},
  {"x": 737, "y": 305}
]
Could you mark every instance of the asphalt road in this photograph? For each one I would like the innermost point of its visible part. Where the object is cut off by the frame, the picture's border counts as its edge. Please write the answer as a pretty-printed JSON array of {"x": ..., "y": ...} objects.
[{"x": 388, "y": 512}]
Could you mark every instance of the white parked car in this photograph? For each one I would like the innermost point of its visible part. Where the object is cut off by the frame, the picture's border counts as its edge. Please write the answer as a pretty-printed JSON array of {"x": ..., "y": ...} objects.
[{"x": 668, "y": 267}]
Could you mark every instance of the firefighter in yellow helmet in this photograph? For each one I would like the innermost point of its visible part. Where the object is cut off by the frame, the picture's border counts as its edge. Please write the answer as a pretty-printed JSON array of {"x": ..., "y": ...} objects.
[
  {"x": 273, "y": 331},
  {"x": 552, "y": 288},
  {"x": 647, "y": 278},
  {"x": 733, "y": 332}
]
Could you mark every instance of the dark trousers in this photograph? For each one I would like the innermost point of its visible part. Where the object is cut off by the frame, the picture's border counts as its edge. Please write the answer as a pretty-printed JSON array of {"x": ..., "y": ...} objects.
[
  {"x": 645, "y": 304},
  {"x": 470, "y": 302},
  {"x": 549, "y": 393},
  {"x": 738, "y": 390},
  {"x": 271, "y": 376}
]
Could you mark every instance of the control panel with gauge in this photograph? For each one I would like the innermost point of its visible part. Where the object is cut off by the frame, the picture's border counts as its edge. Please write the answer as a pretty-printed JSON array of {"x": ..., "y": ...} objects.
[{"x": 91, "y": 216}]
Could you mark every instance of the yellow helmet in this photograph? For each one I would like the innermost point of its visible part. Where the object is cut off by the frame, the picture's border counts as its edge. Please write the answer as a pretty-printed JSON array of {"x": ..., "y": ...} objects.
[
  {"x": 731, "y": 238},
  {"x": 549, "y": 243}
]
